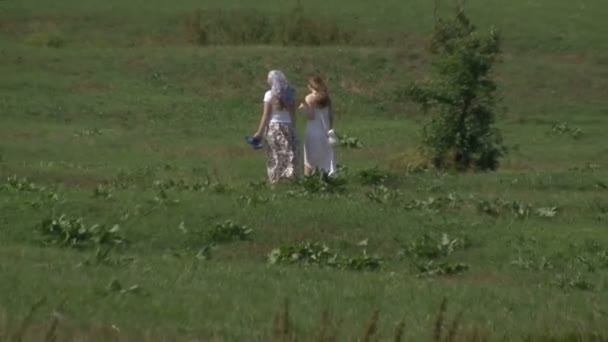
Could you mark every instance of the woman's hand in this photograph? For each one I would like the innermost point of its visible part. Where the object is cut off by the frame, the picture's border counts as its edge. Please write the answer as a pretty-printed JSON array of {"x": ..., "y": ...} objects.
[{"x": 263, "y": 121}]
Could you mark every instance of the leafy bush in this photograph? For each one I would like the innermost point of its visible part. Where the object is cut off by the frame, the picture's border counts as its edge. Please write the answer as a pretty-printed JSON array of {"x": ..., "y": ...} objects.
[
  {"x": 429, "y": 247},
  {"x": 433, "y": 268},
  {"x": 372, "y": 176},
  {"x": 322, "y": 182},
  {"x": 518, "y": 209},
  {"x": 103, "y": 256},
  {"x": 20, "y": 184},
  {"x": 197, "y": 184},
  {"x": 428, "y": 251},
  {"x": 451, "y": 200},
  {"x": 461, "y": 135},
  {"x": 253, "y": 200},
  {"x": 70, "y": 232},
  {"x": 342, "y": 170},
  {"x": 573, "y": 283},
  {"x": 564, "y": 128},
  {"x": 221, "y": 233},
  {"x": 347, "y": 141},
  {"x": 364, "y": 262},
  {"x": 228, "y": 231},
  {"x": 382, "y": 195},
  {"x": 103, "y": 191},
  {"x": 304, "y": 253},
  {"x": 318, "y": 254},
  {"x": 493, "y": 207}
]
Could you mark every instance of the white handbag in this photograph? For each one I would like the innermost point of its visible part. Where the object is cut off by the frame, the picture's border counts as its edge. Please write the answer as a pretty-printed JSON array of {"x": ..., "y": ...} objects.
[{"x": 332, "y": 137}]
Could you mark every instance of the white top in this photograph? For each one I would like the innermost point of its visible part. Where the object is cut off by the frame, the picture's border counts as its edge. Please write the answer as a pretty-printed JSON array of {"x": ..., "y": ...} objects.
[{"x": 276, "y": 116}]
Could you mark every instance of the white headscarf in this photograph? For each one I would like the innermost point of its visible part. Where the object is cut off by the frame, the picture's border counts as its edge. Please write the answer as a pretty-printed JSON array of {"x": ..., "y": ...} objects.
[{"x": 280, "y": 87}]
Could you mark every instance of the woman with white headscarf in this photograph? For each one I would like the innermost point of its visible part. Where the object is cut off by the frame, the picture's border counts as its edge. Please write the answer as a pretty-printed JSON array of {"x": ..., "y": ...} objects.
[{"x": 278, "y": 120}]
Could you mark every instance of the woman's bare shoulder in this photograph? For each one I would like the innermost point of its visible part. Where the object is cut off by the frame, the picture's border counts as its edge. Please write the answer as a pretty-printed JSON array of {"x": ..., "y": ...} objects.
[{"x": 310, "y": 98}]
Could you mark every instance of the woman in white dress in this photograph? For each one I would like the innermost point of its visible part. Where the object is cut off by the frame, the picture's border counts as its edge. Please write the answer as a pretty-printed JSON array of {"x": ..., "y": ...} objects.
[{"x": 318, "y": 150}]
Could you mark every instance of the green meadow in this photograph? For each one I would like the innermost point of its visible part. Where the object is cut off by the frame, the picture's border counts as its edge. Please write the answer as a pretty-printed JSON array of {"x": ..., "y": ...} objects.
[{"x": 132, "y": 209}]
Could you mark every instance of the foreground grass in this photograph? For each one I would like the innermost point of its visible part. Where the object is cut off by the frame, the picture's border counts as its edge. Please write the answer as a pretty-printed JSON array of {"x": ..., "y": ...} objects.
[
  {"x": 445, "y": 327},
  {"x": 550, "y": 270},
  {"x": 99, "y": 127}
]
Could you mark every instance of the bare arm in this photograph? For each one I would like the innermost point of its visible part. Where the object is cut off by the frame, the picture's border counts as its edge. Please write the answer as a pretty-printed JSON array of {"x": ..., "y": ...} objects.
[
  {"x": 307, "y": 106},
  {"x": 263, "y": 121}
]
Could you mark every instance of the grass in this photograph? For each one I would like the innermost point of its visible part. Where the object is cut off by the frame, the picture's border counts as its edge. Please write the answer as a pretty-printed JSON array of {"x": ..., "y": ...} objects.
[
  {"x": 108, "y": 113},
  {"x": 443, "y": 328}
]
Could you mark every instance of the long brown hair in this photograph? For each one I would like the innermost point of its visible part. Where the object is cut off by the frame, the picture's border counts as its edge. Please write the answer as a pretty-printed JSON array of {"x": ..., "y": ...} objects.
[{"x": 317, "y": 84}]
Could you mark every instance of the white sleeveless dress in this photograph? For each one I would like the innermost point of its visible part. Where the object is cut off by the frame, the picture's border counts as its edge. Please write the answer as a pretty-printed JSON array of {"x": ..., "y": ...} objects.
[{"x": 318, "y": 152}]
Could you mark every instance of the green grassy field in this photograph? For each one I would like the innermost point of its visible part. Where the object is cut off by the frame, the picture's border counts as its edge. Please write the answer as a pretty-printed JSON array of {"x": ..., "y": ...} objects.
[{"x": 123, "y": 120}]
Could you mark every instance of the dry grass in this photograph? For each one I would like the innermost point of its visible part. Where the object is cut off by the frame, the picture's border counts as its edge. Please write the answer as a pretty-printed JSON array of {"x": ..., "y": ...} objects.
[{"x": 410, "y": 161}]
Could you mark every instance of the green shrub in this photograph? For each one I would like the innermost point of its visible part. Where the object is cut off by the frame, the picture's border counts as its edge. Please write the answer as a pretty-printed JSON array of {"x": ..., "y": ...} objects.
[{"x": 461, "y": 134}]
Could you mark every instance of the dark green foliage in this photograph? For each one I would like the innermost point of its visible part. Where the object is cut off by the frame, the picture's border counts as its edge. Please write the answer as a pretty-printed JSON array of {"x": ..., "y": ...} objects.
[{"x": 461, "y": 132}]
